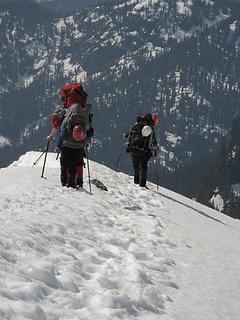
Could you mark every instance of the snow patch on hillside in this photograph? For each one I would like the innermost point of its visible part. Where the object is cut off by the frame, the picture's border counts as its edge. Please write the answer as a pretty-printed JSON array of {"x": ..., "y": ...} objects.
[
  {"x": 4, "y": 142},
  {"x": 236, "y": 189},
  {"x": 174, "y": 140}
]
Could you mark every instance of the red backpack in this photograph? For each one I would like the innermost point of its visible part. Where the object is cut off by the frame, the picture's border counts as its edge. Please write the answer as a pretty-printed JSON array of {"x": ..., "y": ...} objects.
[
  {"x": 78, "y": 133},
  {"x": 73, "y": 93}
]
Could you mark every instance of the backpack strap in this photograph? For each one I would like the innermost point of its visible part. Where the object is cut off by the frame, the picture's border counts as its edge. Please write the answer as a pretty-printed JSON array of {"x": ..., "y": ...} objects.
[
  {"x": 150, "y": 141},
  {"x": 58, "y": 117}
]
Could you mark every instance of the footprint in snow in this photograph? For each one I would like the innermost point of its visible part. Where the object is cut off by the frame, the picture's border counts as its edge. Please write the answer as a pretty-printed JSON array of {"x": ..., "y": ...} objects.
[{"x": 170, "y": 284}]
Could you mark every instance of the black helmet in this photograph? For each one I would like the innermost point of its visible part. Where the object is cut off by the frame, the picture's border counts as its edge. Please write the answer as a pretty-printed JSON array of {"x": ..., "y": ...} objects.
[
  {"x": 148, "y": 118},
  {"x": 139, "y": 118}
]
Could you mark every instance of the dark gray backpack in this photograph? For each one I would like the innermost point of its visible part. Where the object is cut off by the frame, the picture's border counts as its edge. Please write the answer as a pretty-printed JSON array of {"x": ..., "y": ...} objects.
[{"x": 75, "y": 115}]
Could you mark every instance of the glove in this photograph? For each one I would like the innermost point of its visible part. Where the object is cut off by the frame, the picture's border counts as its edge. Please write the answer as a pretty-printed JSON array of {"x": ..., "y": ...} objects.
[
  {"x": 126, "y": 135},
  {"x": 50, "y": 138},
  {"x": 156, "y": 147}
]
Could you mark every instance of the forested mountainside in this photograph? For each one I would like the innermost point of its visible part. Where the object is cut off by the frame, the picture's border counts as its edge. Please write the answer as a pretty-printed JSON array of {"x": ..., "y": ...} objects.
[
  {"x": 179, "y": 59},
  {"x": 213, "y": 179},
  {"x": 220, "y": 181},
  {"x": 70, "y": 6}
]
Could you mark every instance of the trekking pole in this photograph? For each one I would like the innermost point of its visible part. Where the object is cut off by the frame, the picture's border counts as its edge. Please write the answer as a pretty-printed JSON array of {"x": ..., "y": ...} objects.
[
  {"x": 119, "y": 157},
  {"x": 45, "y": 158},
  {"x": 58, "y": 153},
  {"x": 88, "y": 167},
  {"x": 156, "y": 168},
  {"x": 34, "y": 163}
]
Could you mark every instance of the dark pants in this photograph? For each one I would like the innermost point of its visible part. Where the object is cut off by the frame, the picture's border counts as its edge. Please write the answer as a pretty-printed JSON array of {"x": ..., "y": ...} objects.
[
  {"x": 69, "y": 161},
  {"x": 140, "y": 165}
]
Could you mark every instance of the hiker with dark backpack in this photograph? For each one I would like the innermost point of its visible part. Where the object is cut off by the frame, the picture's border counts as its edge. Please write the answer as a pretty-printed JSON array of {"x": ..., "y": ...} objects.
[
  {"x": 72, "y": 123},
  {"x": 142, "y": 143}
]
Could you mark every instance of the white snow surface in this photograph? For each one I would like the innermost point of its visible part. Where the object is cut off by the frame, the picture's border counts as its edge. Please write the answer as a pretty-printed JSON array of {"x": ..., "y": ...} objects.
[{"x": 124, "y": 254}]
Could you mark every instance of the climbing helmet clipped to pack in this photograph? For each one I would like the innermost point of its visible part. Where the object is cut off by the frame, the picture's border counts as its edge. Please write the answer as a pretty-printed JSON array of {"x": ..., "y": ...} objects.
[
  {"x": 146, "y": 131},
  {"x": 78, "y": 133}
]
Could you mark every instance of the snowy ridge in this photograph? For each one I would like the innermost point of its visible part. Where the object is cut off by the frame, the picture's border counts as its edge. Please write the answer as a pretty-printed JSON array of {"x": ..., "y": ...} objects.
[{"x": 123, "y": 254}]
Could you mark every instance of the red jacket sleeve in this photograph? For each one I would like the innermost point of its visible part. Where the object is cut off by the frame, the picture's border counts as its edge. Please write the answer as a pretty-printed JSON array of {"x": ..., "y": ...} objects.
[{"x": 55, "y": 121}]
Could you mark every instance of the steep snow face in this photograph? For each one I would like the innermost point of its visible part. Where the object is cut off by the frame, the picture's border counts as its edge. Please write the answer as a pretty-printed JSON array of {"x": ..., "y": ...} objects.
[{"x": 123, "y": 254}]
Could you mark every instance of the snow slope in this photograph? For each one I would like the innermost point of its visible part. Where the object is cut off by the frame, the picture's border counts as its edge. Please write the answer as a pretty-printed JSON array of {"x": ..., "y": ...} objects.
[{"x": 123, "y": 254}]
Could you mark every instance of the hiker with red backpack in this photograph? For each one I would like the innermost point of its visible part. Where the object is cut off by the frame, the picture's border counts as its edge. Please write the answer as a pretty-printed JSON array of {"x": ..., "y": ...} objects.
[
  {"x": 72, "y": 123},
  {"x": 142, "y": 144}
]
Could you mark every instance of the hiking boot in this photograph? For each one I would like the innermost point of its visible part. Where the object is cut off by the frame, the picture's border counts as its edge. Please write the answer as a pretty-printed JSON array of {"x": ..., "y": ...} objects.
[
  {"x": 136, "y": 181},
  {"x": 144, "y": 187},
  {"x": 63, "y": 182},
  {"x": 79, "y": 183}
]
